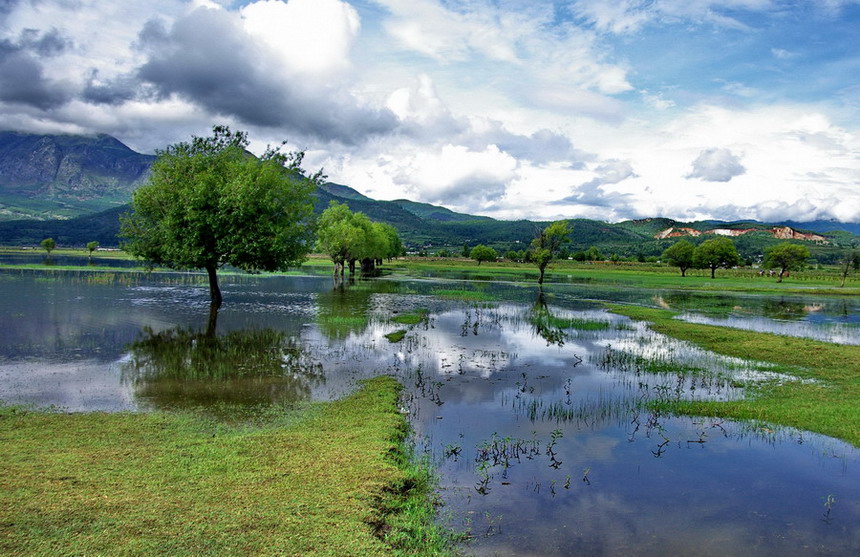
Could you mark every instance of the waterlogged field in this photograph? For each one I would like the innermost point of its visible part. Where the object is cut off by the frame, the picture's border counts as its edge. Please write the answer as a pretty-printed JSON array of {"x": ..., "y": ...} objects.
[{"x": 541, "y": 412}]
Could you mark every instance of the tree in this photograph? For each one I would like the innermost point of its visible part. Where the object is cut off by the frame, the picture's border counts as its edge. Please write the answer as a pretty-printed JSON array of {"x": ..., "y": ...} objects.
[
  {"x": 48, "y": 244},
  {"x": 680, "y": 255},
  {"x": 785, "y": 257},
  {"x": 349, "y": 237},
  {"x": 210, "y": 203},
  {"x": 850, "y": 261},
  {"x": 91, "y": 247},
  {"x": 715, "y": 253},
  {"x": 483, "y": 253},
  {"x": 547, "y": 244}
]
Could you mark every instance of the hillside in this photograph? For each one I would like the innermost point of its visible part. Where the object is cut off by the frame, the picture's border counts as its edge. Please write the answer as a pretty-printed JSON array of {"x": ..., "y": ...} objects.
[
  {"x": 74, "y": 188},
  {"x": 61, "y": 176}
]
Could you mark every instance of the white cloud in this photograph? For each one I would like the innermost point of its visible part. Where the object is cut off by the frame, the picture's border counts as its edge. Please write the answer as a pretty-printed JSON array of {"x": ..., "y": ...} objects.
[{"x": 717, "y": 165}]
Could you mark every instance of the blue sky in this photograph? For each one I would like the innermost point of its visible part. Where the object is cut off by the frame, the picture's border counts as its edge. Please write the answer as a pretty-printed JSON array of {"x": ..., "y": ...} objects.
[{"x": 688, "y": 109}]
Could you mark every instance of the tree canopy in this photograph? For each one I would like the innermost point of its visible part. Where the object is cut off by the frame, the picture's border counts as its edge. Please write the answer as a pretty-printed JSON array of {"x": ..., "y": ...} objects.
[
  {"x": 348, "y": 237},
  {"x": 210, "y": 203},
  {"x": 483, "y": 253},
  {"x": 715, "y": 253},
  {"x": 680, "y": 255},
  {"x": 785, "y": 257},
  {"x": 48, "y": 244},
  {"x": 547, "y": 244}
]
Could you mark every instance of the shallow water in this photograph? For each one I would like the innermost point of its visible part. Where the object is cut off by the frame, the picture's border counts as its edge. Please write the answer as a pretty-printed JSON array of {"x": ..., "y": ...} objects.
[{"x": 529, "y": 407}]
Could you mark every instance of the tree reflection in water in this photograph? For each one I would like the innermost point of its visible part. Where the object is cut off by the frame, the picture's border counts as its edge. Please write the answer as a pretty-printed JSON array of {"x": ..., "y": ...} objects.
[
  {"x": 182, "y": 368},
  {"x": 544, "y": 323}
]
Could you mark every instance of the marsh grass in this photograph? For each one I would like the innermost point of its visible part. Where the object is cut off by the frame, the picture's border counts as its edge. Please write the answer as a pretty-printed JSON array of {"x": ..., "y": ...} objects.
[
  {"x": 828, "y": 404},
  {"x": 320, "y": 479},
  {"x": 462, "y": 294}
]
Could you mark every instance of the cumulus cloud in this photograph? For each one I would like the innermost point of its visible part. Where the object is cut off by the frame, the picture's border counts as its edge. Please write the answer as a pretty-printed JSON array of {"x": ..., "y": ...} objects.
[
  {"x": 212, "y": 58},
  {"x": 455, "y": 175},
  {"x": 591, "y": 193},
  {"x": 716, "y": 165}
]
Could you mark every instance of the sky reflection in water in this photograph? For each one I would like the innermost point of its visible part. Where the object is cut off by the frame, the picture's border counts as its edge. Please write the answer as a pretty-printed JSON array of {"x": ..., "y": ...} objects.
[{"x": 529, "y": 408}]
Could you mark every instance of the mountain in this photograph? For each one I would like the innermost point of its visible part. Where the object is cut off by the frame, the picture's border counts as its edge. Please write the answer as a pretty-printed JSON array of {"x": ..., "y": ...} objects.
[
  {"x": 61, "y": 176},
  {"x": 73, "y": 189}
]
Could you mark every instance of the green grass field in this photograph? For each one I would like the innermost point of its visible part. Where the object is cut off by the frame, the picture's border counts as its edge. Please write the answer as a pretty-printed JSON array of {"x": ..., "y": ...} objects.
[
  {"x": 829, "y": 405},
  {"x": 328, "y": 479}
]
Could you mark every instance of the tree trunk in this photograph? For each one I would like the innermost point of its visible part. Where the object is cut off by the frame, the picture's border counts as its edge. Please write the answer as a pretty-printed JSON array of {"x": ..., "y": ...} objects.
[
  {"x": 212, "y": 324},
  {"x": 352, "y": 266},
  {"x": 713, "y": 270},
  {"x": 542, "y": 269},
  {"x": 683, "y": 271},
  {"x": 781, "y": 273},
  {"x": 214, "y": 290}
]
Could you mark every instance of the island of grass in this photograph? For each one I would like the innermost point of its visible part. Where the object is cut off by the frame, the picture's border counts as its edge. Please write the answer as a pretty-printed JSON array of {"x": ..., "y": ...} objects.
[
  {"x": 325, "y": 479},
  {"x": 829, "y": 405}
]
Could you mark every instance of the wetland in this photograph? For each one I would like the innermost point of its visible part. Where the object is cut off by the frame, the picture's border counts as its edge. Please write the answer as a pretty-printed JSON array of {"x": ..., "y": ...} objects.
[{"x": 546, "y": 417}]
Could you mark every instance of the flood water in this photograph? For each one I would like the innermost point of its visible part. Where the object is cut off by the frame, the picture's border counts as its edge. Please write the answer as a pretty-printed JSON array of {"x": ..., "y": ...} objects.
[{"x": 528, "y": 405}]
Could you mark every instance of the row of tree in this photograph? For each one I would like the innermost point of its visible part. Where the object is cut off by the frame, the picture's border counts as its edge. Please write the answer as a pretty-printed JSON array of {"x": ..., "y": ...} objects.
[
  {"x": 721, "y": 253},
  {"x": 349, "y": 238}
]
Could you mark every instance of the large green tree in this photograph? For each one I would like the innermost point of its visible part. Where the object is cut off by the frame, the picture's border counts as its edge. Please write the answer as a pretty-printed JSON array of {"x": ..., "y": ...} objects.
[
  {"x": 48, "y": 244},
  {"x": 547, "y": 244},
  {"x": 210, "y": 203},
  {"x": 680, "y": 255},
  {"x": 785, "y": 257},
  {"x": 483, "y": 253},
  {"x": 715, "y": 253}
]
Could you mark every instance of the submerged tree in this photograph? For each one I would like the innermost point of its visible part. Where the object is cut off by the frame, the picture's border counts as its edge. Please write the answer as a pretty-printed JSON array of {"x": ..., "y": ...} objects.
[
  {"x": 349, "y": 238},
  {"x": 715, "y": 253},
  {"x": 210, "y": 203},
  {"x": 785, "y": 257},
  {"x": 547, "y": 244},
  {"x": 680, "y": 255}
]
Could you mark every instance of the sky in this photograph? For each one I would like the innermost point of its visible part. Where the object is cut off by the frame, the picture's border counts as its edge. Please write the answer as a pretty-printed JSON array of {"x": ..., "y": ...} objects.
[{"x": 601, "y": 109}]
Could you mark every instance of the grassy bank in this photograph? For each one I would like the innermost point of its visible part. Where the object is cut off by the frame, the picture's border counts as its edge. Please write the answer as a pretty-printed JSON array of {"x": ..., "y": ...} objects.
[
  {"x": 829, "y": 405},
  {"x": 329, "y": 479}
]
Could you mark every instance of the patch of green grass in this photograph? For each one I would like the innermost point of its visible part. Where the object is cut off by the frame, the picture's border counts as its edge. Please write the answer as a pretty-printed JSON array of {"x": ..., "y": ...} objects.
[
  {"x": 829, "y": 405},
  {"x": 412, "y": 317},
  {"x": 323, "y": 479},
  {"x": 396, "y": 336},
  {"x": 462, "y": 294}
]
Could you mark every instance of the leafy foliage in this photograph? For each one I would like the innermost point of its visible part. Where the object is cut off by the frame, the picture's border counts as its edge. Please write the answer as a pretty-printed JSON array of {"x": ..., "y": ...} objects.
[
  {"x": 786, "y": 257},
  {"x": 680, "y": 255},
  {"x": 715, "y": 253},
  {"x": 209, "y": 203},
  {"x": 483, "y": 253},
  {"x": 547, "y": 244},
  {"x": 348, "y": 237},
  {"x": 48, "y": 244}
]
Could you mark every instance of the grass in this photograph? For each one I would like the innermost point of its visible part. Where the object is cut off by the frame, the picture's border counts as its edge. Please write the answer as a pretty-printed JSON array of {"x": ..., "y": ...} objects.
[
  {"x": 396, "y": 336},
  {"x": 462, "y": 294},
  {"x": 411, "y": 317},
  {"x": 326, "y": 479},
  {"x": 829, "y": 405}
]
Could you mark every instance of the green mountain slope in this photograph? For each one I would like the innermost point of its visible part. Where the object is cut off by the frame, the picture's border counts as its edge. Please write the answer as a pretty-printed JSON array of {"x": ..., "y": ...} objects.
[{"x": 59, "y": 176}]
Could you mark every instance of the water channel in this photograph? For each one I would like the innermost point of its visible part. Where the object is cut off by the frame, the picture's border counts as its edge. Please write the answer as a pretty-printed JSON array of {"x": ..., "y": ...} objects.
[{"x": 528, "y": 404}]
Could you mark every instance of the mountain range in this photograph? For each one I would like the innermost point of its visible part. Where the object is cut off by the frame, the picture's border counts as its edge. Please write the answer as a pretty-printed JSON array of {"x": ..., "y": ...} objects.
[{"x": 73, "y": 188}]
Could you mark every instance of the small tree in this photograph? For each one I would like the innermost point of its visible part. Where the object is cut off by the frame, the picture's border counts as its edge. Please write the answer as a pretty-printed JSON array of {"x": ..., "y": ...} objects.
[
  {"x": 48, "y": 244},
  {"x": 547, "y": 244},
  {"x": 850, "y": 261},
  {"x": 785, "y": 257},
  {"x": 91, "y": 247},
  {"x": 483, "y": 253},
  {"x": 715, "y": 253},
  {"x": 209, "y": 203},
  {"x": 680, "y": 255}
]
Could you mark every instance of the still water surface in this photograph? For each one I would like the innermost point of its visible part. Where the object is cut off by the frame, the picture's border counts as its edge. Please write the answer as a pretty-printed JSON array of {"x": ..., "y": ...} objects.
[{"x": 528, "y": 405}]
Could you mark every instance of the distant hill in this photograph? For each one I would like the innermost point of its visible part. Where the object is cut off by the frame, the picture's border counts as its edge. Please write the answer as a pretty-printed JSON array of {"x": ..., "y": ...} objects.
[
  {"x": 73, "y": 189},
  {"x": 61, "y": 176}
]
